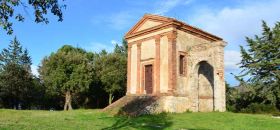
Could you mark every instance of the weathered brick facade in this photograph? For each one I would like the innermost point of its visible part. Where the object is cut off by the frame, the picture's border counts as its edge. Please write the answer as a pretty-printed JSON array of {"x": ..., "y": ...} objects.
[{"x": 187, "y": 65}]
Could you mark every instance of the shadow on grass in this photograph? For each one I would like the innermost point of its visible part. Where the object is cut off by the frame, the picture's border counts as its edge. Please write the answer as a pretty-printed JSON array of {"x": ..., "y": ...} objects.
[
  {"x": 140, "y": 105},
  {"x": 136, "y": 113},
  {"x": 145, "y": 122}
]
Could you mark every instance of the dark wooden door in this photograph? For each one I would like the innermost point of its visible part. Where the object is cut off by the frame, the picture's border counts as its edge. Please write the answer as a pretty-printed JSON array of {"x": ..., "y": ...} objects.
[{"x": 149, "y": 79}]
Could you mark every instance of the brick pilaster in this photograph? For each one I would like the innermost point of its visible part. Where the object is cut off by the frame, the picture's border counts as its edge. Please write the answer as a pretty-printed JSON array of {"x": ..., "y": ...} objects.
[
  {"x": 138, "y": 67},
  {"x": 172, "y": 80},
  {"x": 128, "y": 69},
  {"x": 157, "y": 64}
]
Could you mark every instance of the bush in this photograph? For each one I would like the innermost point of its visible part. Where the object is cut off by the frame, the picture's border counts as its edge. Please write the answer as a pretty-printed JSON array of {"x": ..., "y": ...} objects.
[
  {"x": 1, "y": 103},
  {"x": 260, "y": 108},
  {"x": 231, "y": 108},
  {"x": 276, "y": 114}
]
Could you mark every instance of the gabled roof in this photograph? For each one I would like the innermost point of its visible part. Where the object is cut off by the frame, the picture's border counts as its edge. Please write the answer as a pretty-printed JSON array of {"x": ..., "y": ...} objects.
[{"x": 157, "y": 22}]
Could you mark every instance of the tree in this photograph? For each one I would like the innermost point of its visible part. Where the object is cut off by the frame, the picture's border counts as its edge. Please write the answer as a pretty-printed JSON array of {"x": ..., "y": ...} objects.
[
  {"x": 40, "y": 7},
  {"x": 15, "y": 75},
  {"x": 66, "y": 72},
  {"x": 111, "y": 69},
  {"x": 261, "y": 63}
]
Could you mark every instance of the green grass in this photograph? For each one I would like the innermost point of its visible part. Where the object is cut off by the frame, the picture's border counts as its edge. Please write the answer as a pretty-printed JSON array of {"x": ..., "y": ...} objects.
[{"x": 96, "y": 120}]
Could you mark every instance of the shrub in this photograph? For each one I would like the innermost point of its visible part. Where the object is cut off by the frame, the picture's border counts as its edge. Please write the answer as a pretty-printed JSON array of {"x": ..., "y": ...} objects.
[
  {"x": 231, "y": 108},
  {"x": 259, "y": 108},
  {"x": 276, "y": 114}
]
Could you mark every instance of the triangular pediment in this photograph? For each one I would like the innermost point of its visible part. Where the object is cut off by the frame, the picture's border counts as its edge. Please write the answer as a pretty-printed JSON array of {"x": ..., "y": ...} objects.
[
  {"x": 151, "y": 23},
  {"x": 147, "y": 22}
]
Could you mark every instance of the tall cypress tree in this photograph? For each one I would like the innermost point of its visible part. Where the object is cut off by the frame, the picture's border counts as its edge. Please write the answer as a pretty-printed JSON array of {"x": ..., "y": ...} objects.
[
  {"x": 15, "y": 75},
  {"x": 261, "y": 63}
]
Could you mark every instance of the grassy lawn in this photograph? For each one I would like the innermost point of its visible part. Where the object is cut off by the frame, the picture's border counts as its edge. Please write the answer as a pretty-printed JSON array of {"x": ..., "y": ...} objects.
[{"x": 96, "y": 120}]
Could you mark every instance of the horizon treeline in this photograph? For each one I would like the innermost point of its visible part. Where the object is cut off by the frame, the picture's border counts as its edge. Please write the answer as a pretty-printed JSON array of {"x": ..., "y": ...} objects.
[
  {"x": 69, "y": 78},
  {"x": 72, "y": 77}
]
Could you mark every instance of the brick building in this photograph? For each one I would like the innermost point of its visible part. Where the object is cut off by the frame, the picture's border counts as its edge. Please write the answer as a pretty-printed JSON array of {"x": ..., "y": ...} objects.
[{"x": 181, "y": 65}]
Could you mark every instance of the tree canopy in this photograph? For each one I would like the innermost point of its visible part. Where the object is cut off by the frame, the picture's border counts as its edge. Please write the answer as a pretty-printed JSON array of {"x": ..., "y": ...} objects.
[
  {"x": 66, "y": 72},
  {"x": 16, "y": 80},
  {"x": 261, "y": 65},
  {"x": 8, "y": 11},
  {"x": 111, "y": 70}
]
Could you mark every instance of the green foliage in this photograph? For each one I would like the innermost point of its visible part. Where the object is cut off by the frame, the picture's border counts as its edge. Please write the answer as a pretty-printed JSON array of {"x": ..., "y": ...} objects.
[
  {"x": 15, "y": 55},
  {"x": 111, "y": 70},
  {"x": 16, "y": 80},
  {"x": 230, "y": 98},
  {"x": 40, "y": 7},
  {"x": 68, "y": 71},
  {"x": 262, "y": 59},
  {"x": 261, "y": 66},
  {"x": 84, "y": 78},
  {"x": 259, "y": 108},
  {"x": 245, "y": 99}
]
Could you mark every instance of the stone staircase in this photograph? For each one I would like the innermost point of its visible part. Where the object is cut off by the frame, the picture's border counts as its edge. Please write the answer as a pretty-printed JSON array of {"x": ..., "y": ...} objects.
[{"x": 134, "y": 105}]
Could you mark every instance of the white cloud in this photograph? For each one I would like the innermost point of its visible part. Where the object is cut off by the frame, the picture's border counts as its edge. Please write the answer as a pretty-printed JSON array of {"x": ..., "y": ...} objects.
[
  {"x": 123, "y": 20},
  {"x": 34, "y": 70},
  {"x": 232, "y": 58},
  {"x": 115, "y": 42},
  {"x": 233, "y": 24},
  {"x": 163, "y": 7}
]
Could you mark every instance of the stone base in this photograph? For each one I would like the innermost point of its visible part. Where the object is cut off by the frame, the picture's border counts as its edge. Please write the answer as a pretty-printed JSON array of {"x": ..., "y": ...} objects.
[
  {"x": 174, "y": 104},
  {"x": 139, "y": 105}
]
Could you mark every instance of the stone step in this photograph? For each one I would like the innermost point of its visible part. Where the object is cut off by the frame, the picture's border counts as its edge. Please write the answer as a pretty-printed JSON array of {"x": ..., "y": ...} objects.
[{"x": 130, "y": 105}]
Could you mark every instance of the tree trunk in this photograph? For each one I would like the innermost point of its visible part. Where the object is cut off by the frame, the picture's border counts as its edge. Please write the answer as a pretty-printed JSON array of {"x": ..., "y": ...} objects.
[
  {"x": 85, "y": 104},
  {"x": 68, "y": 100},
  {"x": 111, "y": 97}
]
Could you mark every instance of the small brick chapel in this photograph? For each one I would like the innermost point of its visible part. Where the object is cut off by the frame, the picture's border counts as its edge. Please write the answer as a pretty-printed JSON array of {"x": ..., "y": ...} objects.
[{"x": 180, "y": 64}]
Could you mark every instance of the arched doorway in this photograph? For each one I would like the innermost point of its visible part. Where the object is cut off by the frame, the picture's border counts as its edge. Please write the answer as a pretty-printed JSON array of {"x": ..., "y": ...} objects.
[{"x": 205, "y": 87}]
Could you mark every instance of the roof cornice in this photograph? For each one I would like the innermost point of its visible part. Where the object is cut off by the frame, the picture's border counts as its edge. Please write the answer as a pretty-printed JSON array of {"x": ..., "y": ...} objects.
[{"x": 167, "y": 23}]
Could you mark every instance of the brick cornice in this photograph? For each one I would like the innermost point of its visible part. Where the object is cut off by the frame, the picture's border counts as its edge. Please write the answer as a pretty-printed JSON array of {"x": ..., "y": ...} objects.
[
  {"x": 170, "y": 23},
  {"x": 145, "y": 18},
  {"x": 158, "y": 36}
]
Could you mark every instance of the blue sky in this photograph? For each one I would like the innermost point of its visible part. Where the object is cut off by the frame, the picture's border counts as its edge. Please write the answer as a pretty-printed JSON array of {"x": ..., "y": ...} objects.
[{"x": 95, "y": 25}]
